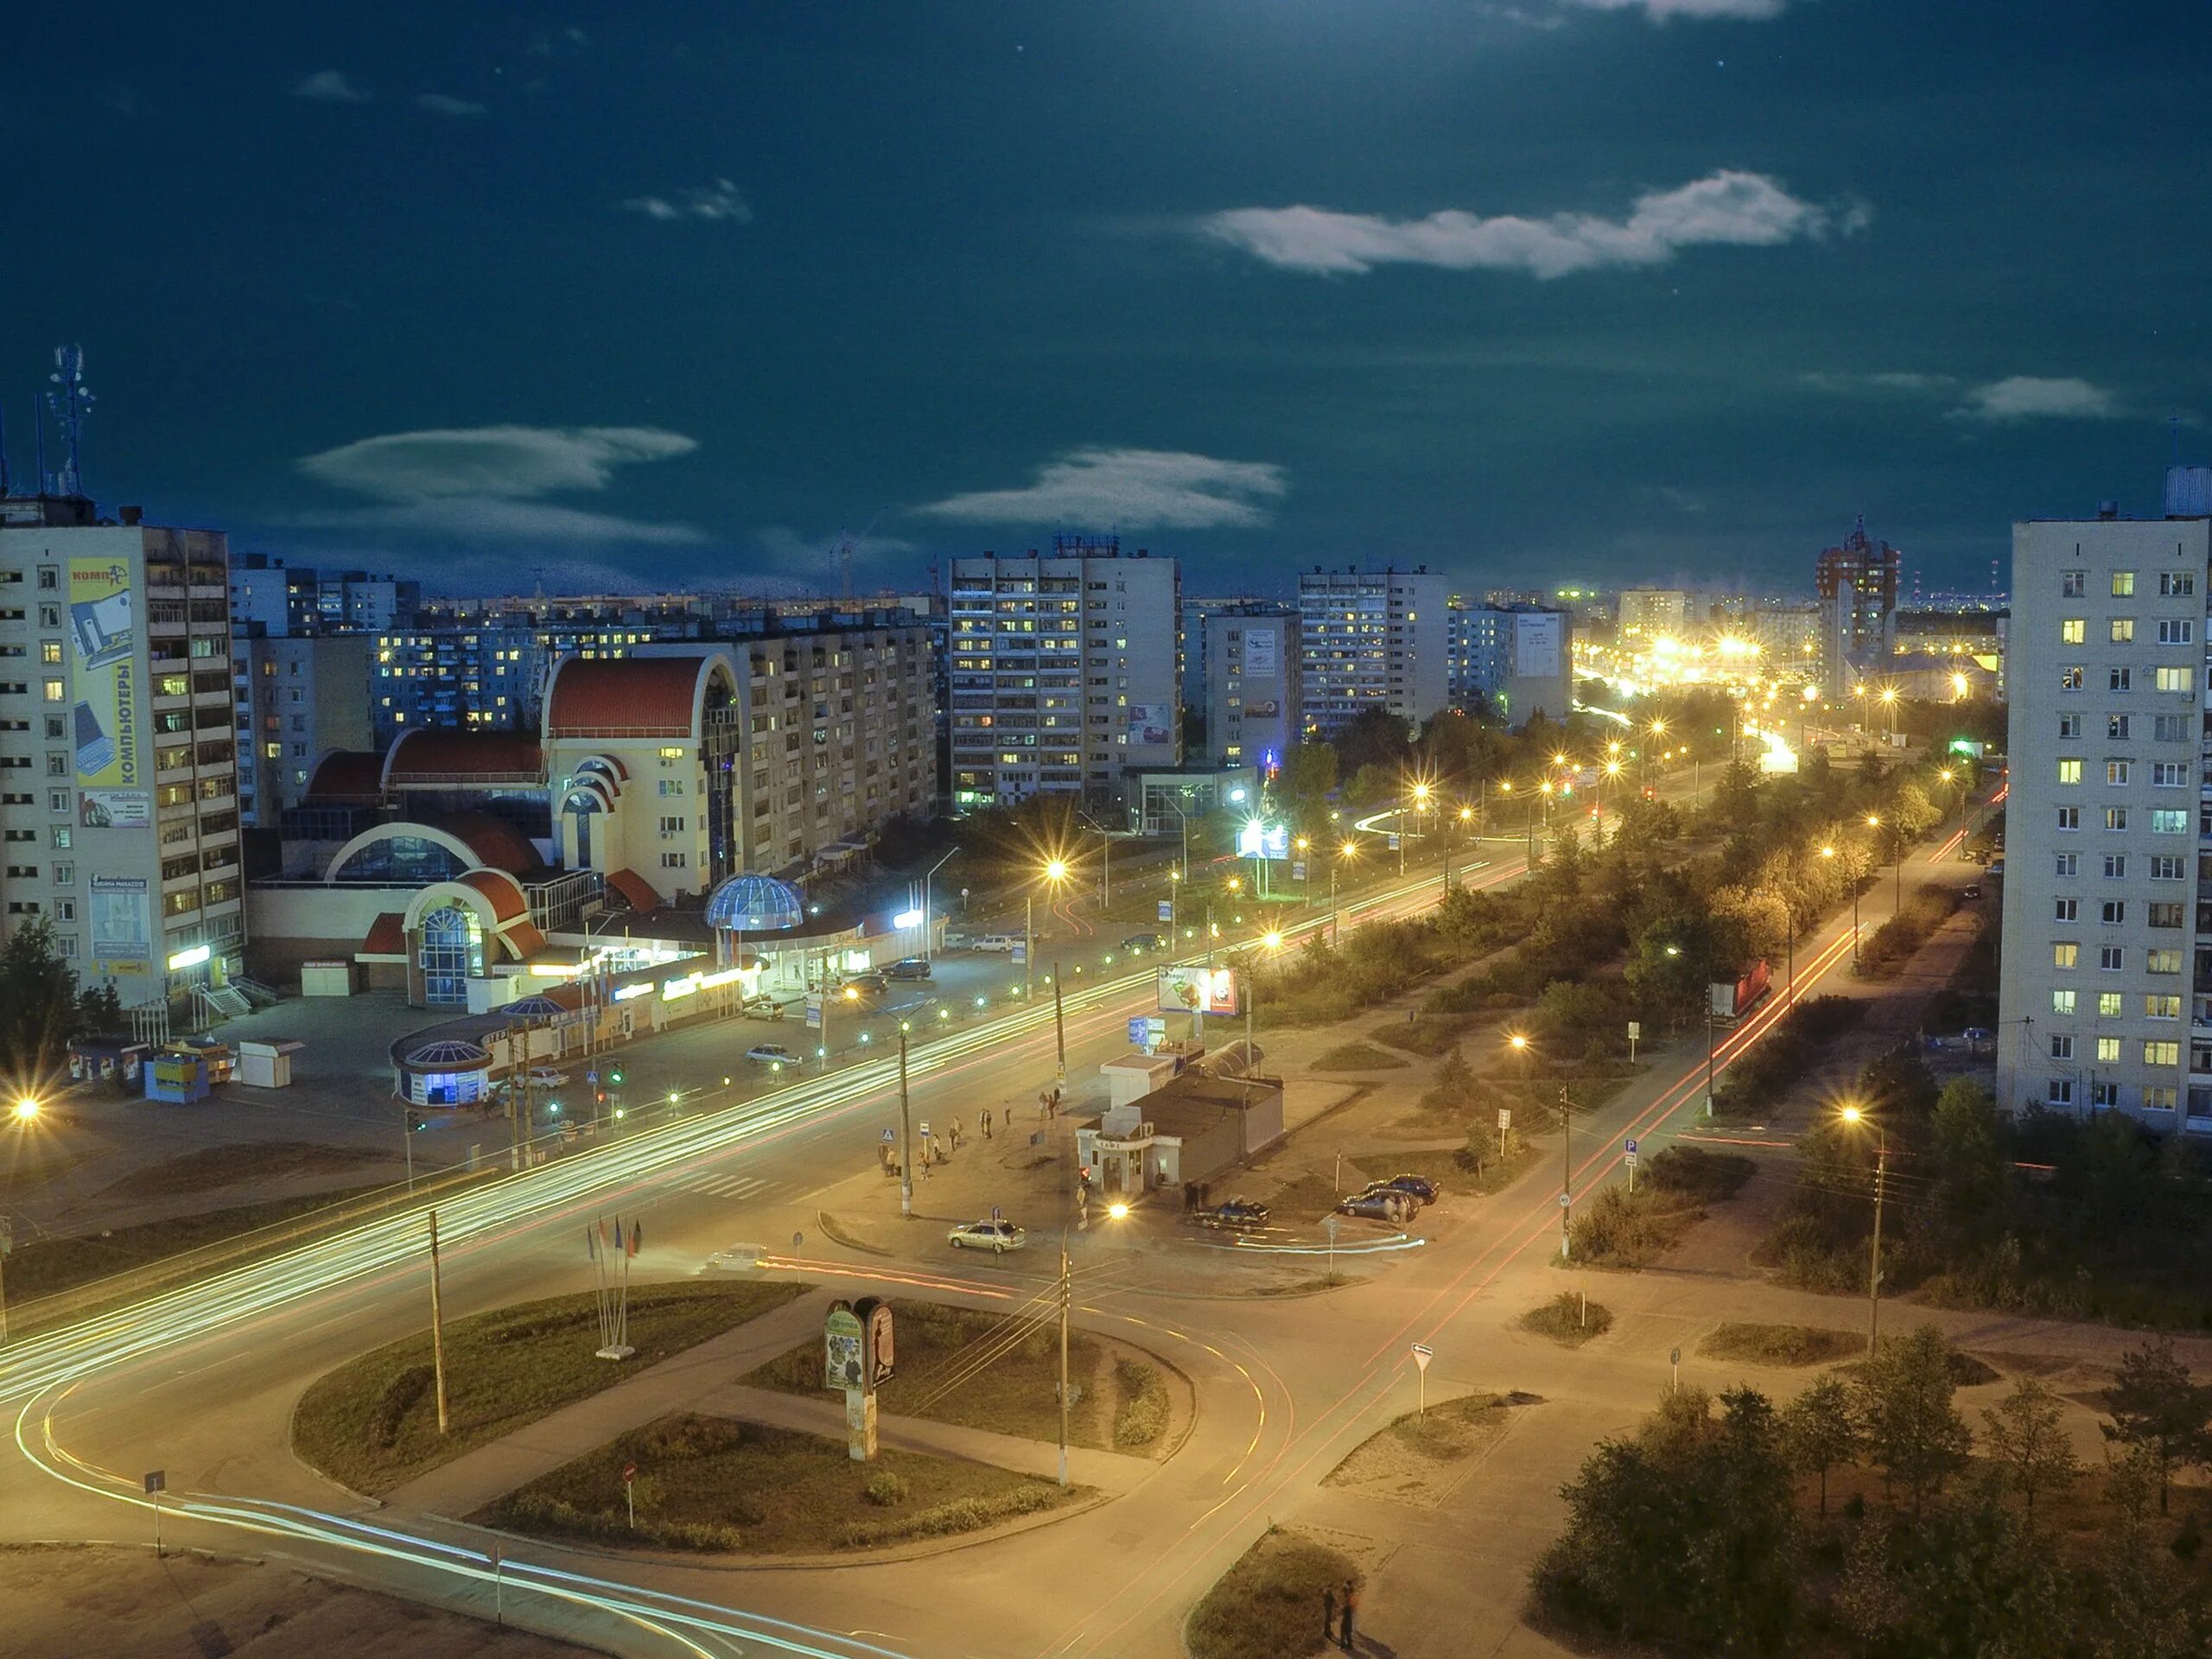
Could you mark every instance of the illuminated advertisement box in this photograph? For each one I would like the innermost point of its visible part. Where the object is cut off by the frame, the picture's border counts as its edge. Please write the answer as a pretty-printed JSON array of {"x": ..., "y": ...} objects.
[{"x": 1198, "y": 990}]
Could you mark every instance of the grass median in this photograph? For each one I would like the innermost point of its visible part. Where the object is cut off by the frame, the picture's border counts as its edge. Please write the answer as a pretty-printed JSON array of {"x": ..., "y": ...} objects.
[
  {"x": 713, "y": 1484},
  {"x": 1269, "y": 1605},
  {"x": 1781, "y": 1344},
  {"x": 372, "y": 1423}
]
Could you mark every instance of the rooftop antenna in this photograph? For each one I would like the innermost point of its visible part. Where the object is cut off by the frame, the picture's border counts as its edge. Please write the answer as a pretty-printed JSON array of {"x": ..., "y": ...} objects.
[
  {"x": 70, "y": 401},
  {"x": 7, "y": 484},
  {"x": 845, "y": 540}
]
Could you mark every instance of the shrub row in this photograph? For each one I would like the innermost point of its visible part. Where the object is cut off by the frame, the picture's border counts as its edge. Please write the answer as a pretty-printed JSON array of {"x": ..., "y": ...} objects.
[
  {"x": 534, "y": 1512},
  {"x": 1142, "y": 1418},
  {"x": 1756, "y": 1081},
  {"x": 961, "y": 1514}
]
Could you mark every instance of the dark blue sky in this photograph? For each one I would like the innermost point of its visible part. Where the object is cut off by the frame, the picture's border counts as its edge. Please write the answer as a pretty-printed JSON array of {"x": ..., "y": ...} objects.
[{"x": 1548, "y": 290}]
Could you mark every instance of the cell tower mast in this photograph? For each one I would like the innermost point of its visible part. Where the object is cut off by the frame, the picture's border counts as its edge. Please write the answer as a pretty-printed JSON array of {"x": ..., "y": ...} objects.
[{"x": 69, "y": 403}]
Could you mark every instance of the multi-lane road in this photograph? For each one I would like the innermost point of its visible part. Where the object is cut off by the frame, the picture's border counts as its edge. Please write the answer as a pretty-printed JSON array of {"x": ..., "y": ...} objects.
[{"x": 199, "y": 1382}]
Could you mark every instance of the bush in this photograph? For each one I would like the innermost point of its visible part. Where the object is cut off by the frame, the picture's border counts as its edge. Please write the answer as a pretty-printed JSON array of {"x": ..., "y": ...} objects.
[
  {"x": 1758, "y": 1080},
  {"x": 683, "y": 1437},
  {"x": 1569, "y": 1318},
  {"x": 534, "y": 1512},
  {"x": 1142, "y": 1418},
  {"x": 1892, "y": 943},
  {"x": 884, "y": 1488},
  {"x": 962, "y": 1515}
]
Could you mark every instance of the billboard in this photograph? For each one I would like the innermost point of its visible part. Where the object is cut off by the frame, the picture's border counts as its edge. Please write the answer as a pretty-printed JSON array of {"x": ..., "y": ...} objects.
[
  {"x": 123, "y": 925},
  {"x": 1197, "y": 990},
  {"x": 1258, "y": 839},
  {"x": 1538, "y": 636},
  {"x": 1260, "y": 652},
  {"x": 1152, "y": 723},
  {"x": 1265, "y": 708},
  {"x": 113, "y": 787}
]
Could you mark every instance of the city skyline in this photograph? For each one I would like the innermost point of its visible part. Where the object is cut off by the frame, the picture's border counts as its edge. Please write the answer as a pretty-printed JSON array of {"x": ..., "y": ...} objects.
[{"x": 957, "y": 283}]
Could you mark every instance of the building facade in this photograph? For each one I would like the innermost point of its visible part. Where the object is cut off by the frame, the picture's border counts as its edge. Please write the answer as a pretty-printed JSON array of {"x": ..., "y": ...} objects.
[
  {"x": 1517, "y": 660},
  {"x": 1857, "y": 581},
  {"x": 296, "y": 697},
  {"x": 1373, "y": 639},
  {"x": 1653, "y": 613},
  {"x": 119, "y": 798},
  {"x": 1255, "y": 712},
  {"x": 2106, "y": 989},
  {"x": 1063, "y": 672}
]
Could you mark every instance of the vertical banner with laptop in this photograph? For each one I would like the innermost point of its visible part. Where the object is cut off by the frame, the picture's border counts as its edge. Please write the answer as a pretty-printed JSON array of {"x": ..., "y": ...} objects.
[{"x": 113, "y": 788}]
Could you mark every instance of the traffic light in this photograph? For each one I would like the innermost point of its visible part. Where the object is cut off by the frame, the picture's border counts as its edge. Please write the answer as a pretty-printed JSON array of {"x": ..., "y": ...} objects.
[
  {"x": 416, "y": 1121},
  {"x": 615, "y": 1076}
]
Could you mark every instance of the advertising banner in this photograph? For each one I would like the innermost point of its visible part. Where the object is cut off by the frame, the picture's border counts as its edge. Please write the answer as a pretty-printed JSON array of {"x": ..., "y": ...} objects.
[
  {"x": 123, "y": 925},
  {"x": 843, "y": 1339},
  {"x": 1197, "y": 990},
  {"x": 1257, "y": 840},
  {"x": 114, "y": 790},
  {"x": 1260, "y": 652},
  {"x": 1152, "y": 722}
]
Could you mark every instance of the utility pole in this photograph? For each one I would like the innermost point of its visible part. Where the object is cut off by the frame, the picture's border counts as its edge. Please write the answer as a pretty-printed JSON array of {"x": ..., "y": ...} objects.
[
  {"x": 1197, "y": 1016},
  {"x": 1874, "y": 1261},
  {"x": 1064, "y": 1357},
  {"x": 1565, "y": 1173},
  {"x": 1059, "y": 1030},
  {"x": 1028, "y": 944},
  {"x": 905, "y": 1133},
  {"x": 437, "y": 1326},
  {"x": 1709, "y": 1051}
]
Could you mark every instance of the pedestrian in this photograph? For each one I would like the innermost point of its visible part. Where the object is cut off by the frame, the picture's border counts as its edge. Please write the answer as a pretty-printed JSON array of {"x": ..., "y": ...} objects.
[
  {"x": 1328, "y": 1614},
  {"x": 986, "y": 1124},
  {"x": 958, "y": 1129},
  {"x": 1352, "y": 1604}
]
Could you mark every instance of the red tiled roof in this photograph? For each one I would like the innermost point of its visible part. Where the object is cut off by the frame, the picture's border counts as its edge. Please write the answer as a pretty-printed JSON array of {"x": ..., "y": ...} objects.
[
  {"x": 503, "y": 890},
  {"x": 437, "y": 757},
  {"x": 346, "y": 775},
  {"x": 635, "y": 890},
  {"x": 387, "y": 935},
  {"x": 497, "y": 843},
  {"x": 623, "y": 696},
  {"x": 524, "y": 940}
]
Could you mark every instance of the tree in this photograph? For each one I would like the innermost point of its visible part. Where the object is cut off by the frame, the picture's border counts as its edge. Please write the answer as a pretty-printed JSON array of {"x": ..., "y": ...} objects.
[
  {"x": 1912, "y": 1430},
  {"x": 39, "y": 1009},
  {"x": 1818, "y": 1434},
  {"x": 2158, "y": 1406},
  {"x": 1972, "y": 1165},
  {"x": 2026, "y": 1433},
  {"x": 2143, "y": 1610},
  {"x": 1373, "y": 737},
  {"x": 1972, "y": 1581},
  {"x": 1309, "y": 772}
]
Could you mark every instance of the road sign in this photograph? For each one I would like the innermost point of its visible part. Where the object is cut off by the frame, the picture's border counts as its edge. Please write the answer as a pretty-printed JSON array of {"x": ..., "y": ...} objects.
[
  {"x": 890, "y": 1135},
  {"x": 157, "y": 1480},
  {"x": 1330, "y": 1223},
  {"x": 1673, "y": 1356},
  {"x": 1631, "y": 1148},
  {"x": 1393, "y": 844},
  {"x": 592, "y": 1077},
  {"x": 997, "y": 1214},
  {"x": 1629, "y": 1158},
  {"x": 7, "y": 1237},
  {"x": 629, "y": 1473},
  {"x": 1167, "y": 910},
  {"x": 1422, "y": 1354},
  {"x": 1020, "y": 954},
  {"x": 1635, "y": 1029},
  {"x": 1504, "y": 1117},
  {"x": 1298, "y": 869},
  {"x": 1138, "y": 1027},
  {"x": 1564, "y": 1201},
  {"x": 924, "y": 1126}
]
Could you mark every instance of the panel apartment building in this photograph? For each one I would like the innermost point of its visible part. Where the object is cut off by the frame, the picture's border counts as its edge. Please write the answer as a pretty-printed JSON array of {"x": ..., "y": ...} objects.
[
  {"x": 1373, "y": 639},
  {"x": 1253, "y": 710},
  {"x": 2105, "y": 991},
  {"x": 118, "y": 780},
  {"x": 1063, "y": 675}
]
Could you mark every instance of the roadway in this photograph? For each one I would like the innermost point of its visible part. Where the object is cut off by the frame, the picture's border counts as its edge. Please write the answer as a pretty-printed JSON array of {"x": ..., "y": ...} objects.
[{"x": 201, "y": 1382}]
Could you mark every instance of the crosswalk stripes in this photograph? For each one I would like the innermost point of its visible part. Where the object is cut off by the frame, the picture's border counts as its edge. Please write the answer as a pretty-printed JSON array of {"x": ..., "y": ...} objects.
[{"x": 724, "y": 1186}]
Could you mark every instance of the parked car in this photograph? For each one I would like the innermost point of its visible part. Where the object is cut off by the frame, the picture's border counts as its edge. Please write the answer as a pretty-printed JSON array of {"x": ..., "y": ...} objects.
[
  {"x": 1236, "y": 1213},
  {"x": 762, "y": 1007},
  {"x": 996, "y": 1237},
  {"x": 1413, "y": 1187},
  {"x": 1144, "y": 943},
  {"x": 867, "y": 984},
  {"x": 547, "y": 1076},
  {"x": 908, "y": 968},
  {"x": 1387, "y": 1205},
  {"x": 771, "y": 1054},
  {"x": 998, "y": 941},
  {"x": 1970, "y": 892}
]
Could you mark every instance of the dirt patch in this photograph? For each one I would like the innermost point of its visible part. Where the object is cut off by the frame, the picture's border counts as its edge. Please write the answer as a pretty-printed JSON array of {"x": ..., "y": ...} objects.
[
  {"x": 1358, "y": 1056},
  {"x": 1423, "y": 1455},
  {"x": 257, "y": 1161},
  {"x": 66, "y": 1599}
]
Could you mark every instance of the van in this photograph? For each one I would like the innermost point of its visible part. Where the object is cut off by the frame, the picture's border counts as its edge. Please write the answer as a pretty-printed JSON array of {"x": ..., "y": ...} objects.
[{"x": 998, "y": 942}]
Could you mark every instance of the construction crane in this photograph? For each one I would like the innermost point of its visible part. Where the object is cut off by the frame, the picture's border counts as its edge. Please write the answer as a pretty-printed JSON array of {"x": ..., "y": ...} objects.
[{"x": 845, "y": 541}]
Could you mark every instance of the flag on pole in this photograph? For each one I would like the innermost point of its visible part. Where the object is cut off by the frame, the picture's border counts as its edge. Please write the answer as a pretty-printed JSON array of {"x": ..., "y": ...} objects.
[
  {"x": 591, "y": 1245},
  {"x": 637, "y": 1236}
]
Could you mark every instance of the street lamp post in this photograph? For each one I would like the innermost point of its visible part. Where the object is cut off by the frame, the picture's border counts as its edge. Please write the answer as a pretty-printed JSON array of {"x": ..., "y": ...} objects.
[
  {"x": 905, "y": 1133},
  {"x": 1858, "y": 1114},
  {"x": 1059, "y": 1030}
]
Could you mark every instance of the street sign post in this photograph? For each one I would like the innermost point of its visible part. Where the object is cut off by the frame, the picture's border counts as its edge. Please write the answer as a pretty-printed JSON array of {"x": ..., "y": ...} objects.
[
  {"x": 890, "y": 1136},
  {"x": 1627, "y": 1155},
  {"x": 630, "y": 1492},
  {"x": 1330, "y": 1223},
  {"x": 1504, "y": 1123},
  {"x": 1635, "y": 1031},
  {"x": 157, "y": 1482},
  {"x": 498, "y": 1585},
  {"x": 1674, "y": 1359},
  {"x": 1422, "y": 1354},
  {"x": 1167, "y": 910}
]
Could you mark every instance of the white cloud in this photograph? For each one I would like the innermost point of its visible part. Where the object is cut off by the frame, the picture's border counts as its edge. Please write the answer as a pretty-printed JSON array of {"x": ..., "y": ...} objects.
[
  {"x": 330, "y": 86},
  {"x": 446, "y": 104},
  {"x": 2029, "y": 396},
  {"x": 1138, "y": 489},
  {"x": 717, "y": 201},
  {"x": 1660, "y": 11},
  {"x": 1727, "y": 208},
  {"x": 481, "y": 482},
  {"x": 1880, "y": 382}
]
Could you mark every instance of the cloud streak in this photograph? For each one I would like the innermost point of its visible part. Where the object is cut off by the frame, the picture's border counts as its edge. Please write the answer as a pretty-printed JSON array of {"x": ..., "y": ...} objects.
[
  {"x": 718, "y": 202},
  {"x": 330, "y": 86},
  {"x": 1661, "y": 11},
  {"x": 1137, "y": 489},
  {"x": 482, "y": 483},
  {"x": 2031, "y": 398},
  {"x": 1725, "y": 208},
  {"x": 446, "y": 104}
]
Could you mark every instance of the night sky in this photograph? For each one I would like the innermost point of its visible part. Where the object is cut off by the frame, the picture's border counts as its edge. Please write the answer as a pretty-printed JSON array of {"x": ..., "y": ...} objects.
[{"x": 1540, "y": 291}]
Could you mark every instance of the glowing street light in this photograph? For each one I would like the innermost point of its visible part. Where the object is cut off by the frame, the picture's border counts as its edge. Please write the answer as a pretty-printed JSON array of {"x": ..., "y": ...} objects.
[
  {"x": 26, "y": 1110},
  {"x": 1857, "y": 1116}
]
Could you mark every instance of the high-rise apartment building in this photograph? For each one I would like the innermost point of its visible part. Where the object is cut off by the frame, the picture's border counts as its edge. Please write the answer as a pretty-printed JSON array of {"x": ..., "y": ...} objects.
[
  {"x": 296, "y": 695},
  {"x": 1373, "y": 639},
  {"x": 119, "y": 782},
  {"x": 297, "y": 598},
  {"x": 1653, "y": 613},
  {"x": 490, "y": 676},
  {"x": 1858, "y": 584},
  {"x": 1063, "y": 672},
  {"x": 1253, "y": 710},
  {"x": 2106, "y": 990},
  {"x": 1517, "y": 660}
]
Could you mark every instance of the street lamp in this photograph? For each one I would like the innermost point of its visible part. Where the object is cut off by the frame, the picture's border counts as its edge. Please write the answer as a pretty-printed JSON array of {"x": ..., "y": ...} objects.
[
  {"x": 26, "y": 1110},
  {"x": 1271, "y": 940},
  {"x": 1349, "y": 851},
  {"x": 1055, "y": 874},
  {"x": 1855, "y": 1114},
  {"x": 1897, "y": 854}
]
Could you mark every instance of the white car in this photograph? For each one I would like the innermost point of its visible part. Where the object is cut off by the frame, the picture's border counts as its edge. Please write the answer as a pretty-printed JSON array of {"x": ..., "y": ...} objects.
[
  {"x": 547, "y": 1076},
  {"x": 996, "y": 1237},
  {"x": 771, "y": 1054},
  {"x": 998, "y": 942}
]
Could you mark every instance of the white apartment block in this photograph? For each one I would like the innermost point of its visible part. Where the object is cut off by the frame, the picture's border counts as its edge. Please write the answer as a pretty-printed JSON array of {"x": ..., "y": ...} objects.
[
  {"x": 1654, "y": 613},
  {"x": 1254, "y": 711},
  {"x": 2106, "y": 993},
  {"x": 1373, "y": 639},
  {"x": 297, "y": 696},
  {"x": 1063, "y": 672},
  {"x": 119, "y": 792}
]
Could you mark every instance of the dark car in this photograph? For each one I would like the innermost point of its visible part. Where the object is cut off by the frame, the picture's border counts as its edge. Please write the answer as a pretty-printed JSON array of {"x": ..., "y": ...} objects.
[
  {"x": 1144, "y": 943},
  {"x": 1236, "y": 1213},
  {"x": 867, "y": 984},
  {"x": 908, "y": 968},
  {"x": 1385, "y": 1204},
  {"x": 1970, "y": 892},
  {"x": 1413, "y": 1187}
]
